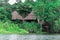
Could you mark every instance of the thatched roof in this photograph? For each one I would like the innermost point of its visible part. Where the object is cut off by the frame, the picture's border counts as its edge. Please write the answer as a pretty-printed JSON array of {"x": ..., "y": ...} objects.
[
  {"x": 15, "y": 15},
  {"x": 30, "y": 16}
]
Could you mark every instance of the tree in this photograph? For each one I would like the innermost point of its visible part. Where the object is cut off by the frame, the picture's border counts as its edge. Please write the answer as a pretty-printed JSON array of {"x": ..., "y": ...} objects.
[{"x": 47, "y": 10}]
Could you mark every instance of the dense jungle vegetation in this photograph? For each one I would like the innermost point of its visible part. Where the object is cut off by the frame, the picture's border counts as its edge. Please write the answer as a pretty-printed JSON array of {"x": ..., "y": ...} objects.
[{"x": 44, "y": 10}]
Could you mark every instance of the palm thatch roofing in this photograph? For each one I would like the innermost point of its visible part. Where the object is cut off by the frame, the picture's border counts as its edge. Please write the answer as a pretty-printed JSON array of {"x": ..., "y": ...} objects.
[
  {"x": 30, "y": 16},
  {"x": 16, "y": 15}
]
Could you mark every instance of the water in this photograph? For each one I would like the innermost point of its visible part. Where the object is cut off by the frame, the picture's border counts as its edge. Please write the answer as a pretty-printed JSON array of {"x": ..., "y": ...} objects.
[{"x": 29, "y": 37}]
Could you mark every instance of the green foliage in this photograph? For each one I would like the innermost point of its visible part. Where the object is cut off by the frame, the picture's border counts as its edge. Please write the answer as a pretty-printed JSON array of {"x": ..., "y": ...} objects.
[
  {"x": 31, "y": 27},
  {"x": 5, "y": 13},
  {"x": 9, "y": 27},
  {"x": 47, "y": 10},
  {"x": 56, "y": 27}
]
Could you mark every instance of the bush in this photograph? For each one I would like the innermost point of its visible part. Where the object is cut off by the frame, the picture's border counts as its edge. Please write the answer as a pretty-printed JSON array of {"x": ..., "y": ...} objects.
[
  {"x": 31, "y": 27},
  {"x": 9, "y": 27}
]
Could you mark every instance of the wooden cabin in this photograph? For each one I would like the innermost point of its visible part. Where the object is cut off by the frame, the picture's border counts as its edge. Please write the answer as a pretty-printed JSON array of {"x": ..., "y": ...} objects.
[{"x": 29, "y": 17}]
